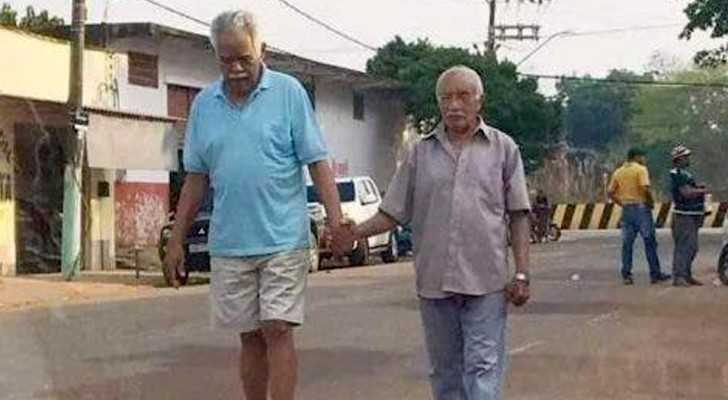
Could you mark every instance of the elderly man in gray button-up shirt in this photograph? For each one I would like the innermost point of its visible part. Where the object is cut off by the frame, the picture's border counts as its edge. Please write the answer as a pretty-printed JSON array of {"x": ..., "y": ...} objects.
[{"x": 462, "y": 189}]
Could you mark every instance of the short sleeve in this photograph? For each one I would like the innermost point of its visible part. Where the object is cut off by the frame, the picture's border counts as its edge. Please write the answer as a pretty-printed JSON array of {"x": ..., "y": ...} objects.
[
  {"x": 514, "y": 179},
  {"x": 307, "y": 138},
  {"x": 644, "y": 177},
  {"x": 398, "y": 200},
  {"x": 193, "y": 155}
]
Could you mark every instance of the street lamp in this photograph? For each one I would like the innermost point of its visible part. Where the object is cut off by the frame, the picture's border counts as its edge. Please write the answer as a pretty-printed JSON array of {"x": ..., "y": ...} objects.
[{"x": 545, "y": 42}]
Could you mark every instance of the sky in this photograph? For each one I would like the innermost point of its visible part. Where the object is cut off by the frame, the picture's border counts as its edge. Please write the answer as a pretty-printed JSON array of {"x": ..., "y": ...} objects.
[{"x": 650, "y": 27}]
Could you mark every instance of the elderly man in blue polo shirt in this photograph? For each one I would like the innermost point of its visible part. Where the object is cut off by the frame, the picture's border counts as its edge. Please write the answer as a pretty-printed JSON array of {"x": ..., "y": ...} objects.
[{"x": 249, "y": 136}]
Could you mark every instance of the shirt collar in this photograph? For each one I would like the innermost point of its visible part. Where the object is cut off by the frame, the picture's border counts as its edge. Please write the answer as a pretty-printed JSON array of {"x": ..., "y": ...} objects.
[{"x": 264, "y": 83}]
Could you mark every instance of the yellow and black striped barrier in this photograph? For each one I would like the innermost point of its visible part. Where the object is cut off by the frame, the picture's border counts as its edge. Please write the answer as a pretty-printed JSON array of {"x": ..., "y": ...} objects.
[{"x": 595, "y": 216}]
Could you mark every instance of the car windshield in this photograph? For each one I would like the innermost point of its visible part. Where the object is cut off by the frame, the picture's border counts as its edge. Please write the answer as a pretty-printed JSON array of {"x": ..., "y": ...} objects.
[{"x": 346, "y": 192}]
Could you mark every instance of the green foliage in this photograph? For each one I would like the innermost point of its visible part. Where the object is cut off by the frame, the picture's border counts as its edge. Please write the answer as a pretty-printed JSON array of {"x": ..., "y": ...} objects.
[
  {"x": 41, "y": 22},
  {"x": 8, "y": 16},
  {"x": 696, "y": 117},
  {"x": 712, "y": 16},
  {"x": 597, "y": 113},
  {"x": 512, "y": 104}
]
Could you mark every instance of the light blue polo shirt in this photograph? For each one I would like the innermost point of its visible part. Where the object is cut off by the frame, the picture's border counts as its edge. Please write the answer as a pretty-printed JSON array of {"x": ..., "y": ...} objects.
[{"x": 254, "y": 155}]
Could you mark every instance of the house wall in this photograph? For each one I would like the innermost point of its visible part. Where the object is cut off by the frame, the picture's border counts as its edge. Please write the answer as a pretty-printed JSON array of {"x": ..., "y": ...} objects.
[
  {"x": 38, "y": 68},
  {"x": 7, "y": 207},
  {"x": 367, "y": 147},
  {"x": 141, "y": 211}
]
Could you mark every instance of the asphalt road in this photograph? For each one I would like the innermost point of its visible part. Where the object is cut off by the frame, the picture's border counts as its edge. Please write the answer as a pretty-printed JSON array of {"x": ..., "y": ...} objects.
[{"x": 590, "y": 338}]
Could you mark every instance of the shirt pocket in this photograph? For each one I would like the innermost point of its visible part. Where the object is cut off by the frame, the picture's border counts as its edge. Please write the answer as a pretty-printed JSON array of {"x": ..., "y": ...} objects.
[
  {"x": 487, "y": 183},
  {"x": 277, "y": 141}
]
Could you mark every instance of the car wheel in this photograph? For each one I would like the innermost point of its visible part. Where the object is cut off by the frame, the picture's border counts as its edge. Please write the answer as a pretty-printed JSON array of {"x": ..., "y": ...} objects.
[
  {"x": 360, "y": 255},
  {"x": 391, "y": 254},
  {"x": 164, "y": 235},
  {"x": 554, "y": 233},
  {"x": 723, "y": 265}
]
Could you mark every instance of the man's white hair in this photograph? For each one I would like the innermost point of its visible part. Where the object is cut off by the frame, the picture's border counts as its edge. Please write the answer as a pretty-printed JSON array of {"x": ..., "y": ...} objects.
[
  {"x": 232, "y": 20},
  {"x": 466, "y": 73}
]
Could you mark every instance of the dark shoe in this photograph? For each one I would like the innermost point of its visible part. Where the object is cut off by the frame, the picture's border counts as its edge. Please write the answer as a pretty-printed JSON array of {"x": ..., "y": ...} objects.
[
  {"x": 628, "y": 280},
  {"x": 680, "y": 283},
  {"x": 661, "y": 278},
  {"x": 693, "y": 282}
]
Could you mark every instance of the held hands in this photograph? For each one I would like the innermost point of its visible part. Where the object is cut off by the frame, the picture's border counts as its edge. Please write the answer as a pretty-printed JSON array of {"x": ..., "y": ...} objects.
[{"x": 341, "y": 236}]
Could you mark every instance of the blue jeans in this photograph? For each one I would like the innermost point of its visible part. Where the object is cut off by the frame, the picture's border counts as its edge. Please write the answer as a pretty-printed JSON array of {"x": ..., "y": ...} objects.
[
  {"x": 638, "y": 219},
  {"x": 465, "y": 338}
]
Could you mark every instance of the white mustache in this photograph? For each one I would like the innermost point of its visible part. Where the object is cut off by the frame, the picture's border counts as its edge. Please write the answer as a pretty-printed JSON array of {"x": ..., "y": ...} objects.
[
  {"x": 240, "y": 76},
  {"x": 455, "y": 114}
]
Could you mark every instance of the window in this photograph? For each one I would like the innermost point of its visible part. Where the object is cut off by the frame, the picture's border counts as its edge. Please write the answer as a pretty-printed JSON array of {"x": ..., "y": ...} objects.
[
  {"x": 179, "y": 100},
  {"x": 346, "y": 192},
  {"x": 143, "y": 70},
  {"x": 358, "y": 106}
]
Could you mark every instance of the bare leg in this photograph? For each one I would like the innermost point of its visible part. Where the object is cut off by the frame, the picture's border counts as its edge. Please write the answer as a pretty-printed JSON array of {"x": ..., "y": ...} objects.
[
  {"x": 282, "y": 359},
  {"x": 254, "y": 366}
]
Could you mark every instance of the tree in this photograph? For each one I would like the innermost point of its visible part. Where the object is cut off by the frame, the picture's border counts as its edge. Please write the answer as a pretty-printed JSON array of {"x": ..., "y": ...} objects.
[
  {"x": 596, "y": 112},
  {"x": 708, "y": 15},
  {"x": 694, "y": 116},
  {"x": 8, "y": 16},
  {"x": 41, "y": 22},
  {"x": 512, "y": 103}
]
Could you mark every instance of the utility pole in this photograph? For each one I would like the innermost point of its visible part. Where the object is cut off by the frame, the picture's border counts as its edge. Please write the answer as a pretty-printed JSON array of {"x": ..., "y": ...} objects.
[
  {"x": 491, "y": 28},
  {"x": 508, "y": 32},
  {"x": 71, "y": 254}
]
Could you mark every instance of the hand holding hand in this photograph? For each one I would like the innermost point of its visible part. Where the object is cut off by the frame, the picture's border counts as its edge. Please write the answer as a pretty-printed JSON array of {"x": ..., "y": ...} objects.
[{"x": 342, "y": 238}]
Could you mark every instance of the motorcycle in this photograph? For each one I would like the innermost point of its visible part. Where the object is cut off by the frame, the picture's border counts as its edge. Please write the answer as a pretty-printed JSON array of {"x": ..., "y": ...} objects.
[
  {"x": 723, "y": 259},
  {"x": 541, "y": 233}
]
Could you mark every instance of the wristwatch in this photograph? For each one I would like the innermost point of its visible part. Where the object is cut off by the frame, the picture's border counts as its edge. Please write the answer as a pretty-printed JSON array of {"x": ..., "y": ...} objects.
[{"x": 522, "y": 277}]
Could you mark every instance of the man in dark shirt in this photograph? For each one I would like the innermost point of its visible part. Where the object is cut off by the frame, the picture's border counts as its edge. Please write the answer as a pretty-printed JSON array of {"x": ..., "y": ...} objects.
[{"x": 689, "y": 199}]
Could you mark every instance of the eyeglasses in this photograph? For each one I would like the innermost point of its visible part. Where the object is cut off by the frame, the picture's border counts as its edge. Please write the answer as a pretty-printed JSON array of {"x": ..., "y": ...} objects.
[{"x": 463, "y": 97}]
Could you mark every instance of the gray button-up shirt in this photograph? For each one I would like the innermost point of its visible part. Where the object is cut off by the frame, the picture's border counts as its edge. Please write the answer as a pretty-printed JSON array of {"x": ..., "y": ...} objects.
[{"x": 457, "y": 209}]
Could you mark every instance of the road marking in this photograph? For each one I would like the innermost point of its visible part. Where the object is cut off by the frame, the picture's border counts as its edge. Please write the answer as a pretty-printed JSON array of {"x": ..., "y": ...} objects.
[
  {"x": 601, "y": 318},
  {"x": 525, "y": 348}
]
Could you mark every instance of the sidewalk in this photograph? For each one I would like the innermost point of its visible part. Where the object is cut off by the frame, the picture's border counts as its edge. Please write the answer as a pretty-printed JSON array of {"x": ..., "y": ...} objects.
[{"x": 19, "y": 293}]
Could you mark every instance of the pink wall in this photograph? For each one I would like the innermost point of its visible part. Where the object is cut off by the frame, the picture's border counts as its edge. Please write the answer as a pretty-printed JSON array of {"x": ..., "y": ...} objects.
[{"x": 141, "y": 211}]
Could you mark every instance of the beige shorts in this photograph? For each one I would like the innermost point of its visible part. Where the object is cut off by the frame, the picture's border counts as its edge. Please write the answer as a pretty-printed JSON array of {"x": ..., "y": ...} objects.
[{"x": 245, "y": 291}]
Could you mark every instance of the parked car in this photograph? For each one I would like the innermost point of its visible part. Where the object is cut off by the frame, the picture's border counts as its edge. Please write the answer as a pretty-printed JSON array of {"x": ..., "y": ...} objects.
[
  {"x": 360, "y": 200},
  {"x": 197, "y": 258}
]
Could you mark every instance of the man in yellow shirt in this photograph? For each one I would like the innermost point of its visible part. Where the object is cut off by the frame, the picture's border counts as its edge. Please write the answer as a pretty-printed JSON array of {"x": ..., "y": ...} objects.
[{"x": 630, "y": 188}]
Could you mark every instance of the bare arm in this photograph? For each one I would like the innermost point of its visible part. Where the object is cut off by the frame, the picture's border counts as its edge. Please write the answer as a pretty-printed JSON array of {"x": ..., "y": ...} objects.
[
  {"x": 191, "y": 198},
  {"x": 649, "y": 197},
  {"x": 323, "y": 179},
  {"x": 375, "y": 225},
  {"x": 520, "y": 229},
  {"x": 613, "y": 196}
]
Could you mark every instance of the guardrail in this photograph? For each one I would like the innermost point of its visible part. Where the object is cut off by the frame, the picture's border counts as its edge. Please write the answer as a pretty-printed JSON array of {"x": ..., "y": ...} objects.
[{"x": 583, "y": 216}]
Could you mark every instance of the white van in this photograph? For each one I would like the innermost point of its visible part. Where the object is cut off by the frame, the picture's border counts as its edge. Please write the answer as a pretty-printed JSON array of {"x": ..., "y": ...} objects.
[{"x": 360, "y": 200}]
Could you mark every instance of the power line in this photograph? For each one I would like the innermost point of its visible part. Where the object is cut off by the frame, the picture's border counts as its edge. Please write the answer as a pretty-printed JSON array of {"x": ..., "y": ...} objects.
[
  {"x": 177, "y": 12},
  {"x": 628, "y": 82},
  {"x": 570, "y": 33},
  {"x": 325, "y": 25},
  {"x": 627, "y": 29}
]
